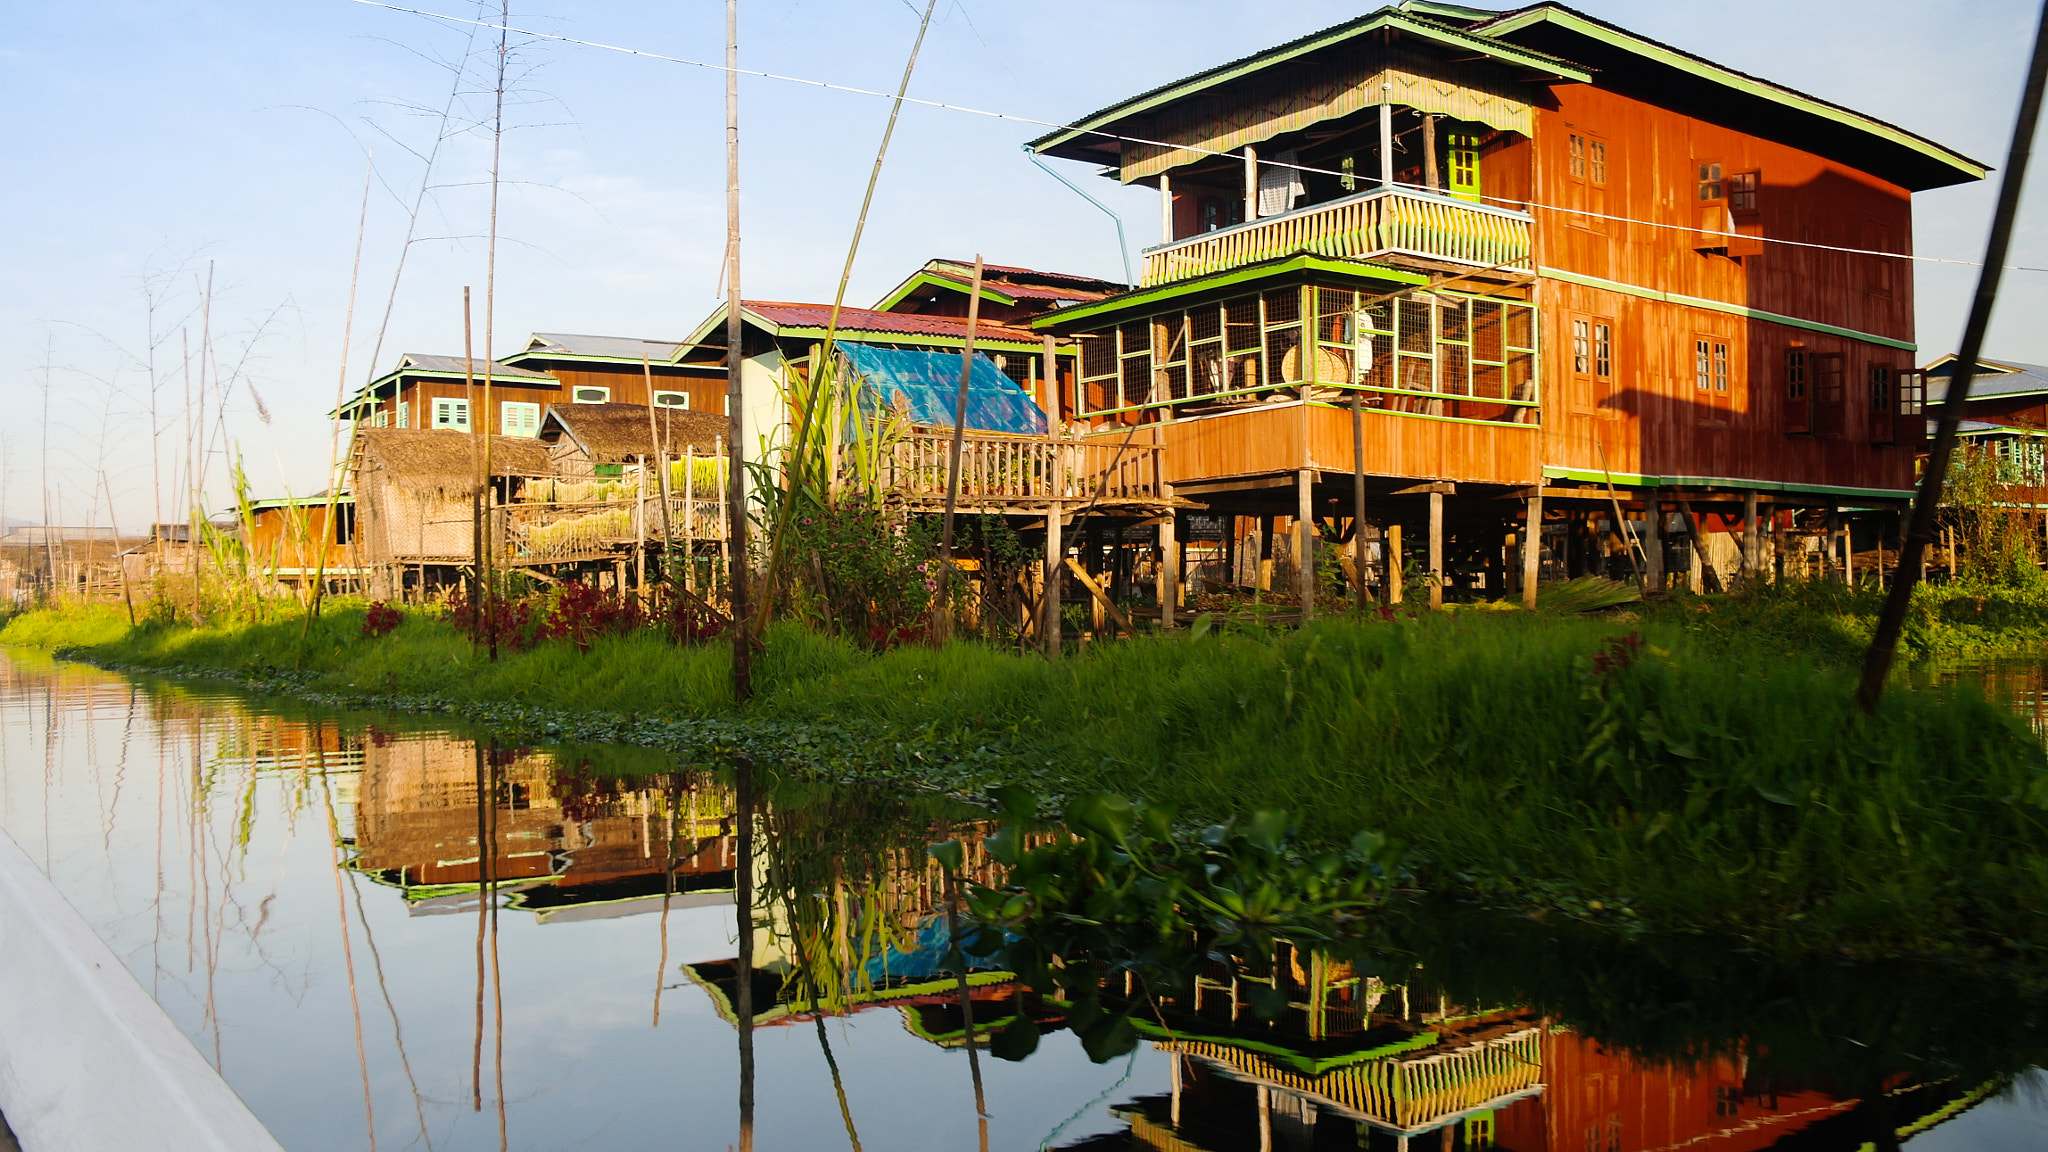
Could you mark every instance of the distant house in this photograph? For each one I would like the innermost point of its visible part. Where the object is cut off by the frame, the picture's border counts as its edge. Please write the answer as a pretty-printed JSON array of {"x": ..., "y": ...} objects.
[
  {"x": 436, "y": 392},
  {"x": 294, "y": 540},
  {"x": 618, "y": 369}
]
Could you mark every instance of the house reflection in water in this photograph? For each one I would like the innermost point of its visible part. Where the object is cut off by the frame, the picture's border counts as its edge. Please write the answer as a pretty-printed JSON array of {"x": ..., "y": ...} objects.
[{"x": 570, "y": 845}]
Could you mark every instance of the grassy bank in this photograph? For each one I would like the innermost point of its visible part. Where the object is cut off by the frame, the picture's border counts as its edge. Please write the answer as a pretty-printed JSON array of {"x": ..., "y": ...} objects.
[{"x": 1659, "y": 770}]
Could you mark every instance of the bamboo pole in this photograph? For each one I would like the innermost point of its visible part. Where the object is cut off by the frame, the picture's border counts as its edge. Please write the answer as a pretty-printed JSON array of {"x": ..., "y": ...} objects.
[
  {"x": 943, "y": 617},
  {"x": 1304, "y": 542},
  {"x": 1358, "y": 592},
  {"x": 735, "y": 480},
  {"x": 1877, "y": 663},
  {"x": 1436, "y": 550},
  {"x": 660, "y": 448},
  {"x": 479, "y": 480}
]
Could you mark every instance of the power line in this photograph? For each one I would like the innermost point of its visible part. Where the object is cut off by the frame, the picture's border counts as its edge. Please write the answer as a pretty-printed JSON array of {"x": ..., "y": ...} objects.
[{"x": 1014, "y": 118}]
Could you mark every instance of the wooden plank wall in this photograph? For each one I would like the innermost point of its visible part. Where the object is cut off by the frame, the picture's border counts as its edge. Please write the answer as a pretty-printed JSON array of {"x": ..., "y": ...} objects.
[
  {"x": 1269, "y": 440},
  {"x": 1649, "y": 418}
]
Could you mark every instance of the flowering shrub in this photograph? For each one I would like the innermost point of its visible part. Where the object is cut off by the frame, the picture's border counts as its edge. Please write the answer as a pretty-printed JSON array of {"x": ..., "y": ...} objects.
[
  {"x": 581, "y": 612},
  {"x": 381, "y": 619}
]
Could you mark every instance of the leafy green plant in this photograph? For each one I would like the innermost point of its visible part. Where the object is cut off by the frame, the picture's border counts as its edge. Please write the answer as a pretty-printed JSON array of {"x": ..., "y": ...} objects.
[{"x": 1119, "y": 887}]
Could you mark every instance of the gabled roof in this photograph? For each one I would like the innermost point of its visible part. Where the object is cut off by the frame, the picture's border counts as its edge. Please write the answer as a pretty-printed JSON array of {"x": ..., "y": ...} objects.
[
  {"x": 1671, "y": 77},
  {"x": 779, "y": 318},
  {"x": 1439, "y": 32},
  {"x": 1994, "y": 379},
  {"x": 615, "y": 433},
  {"x": 421, "y": 364},
  {"x": 1000, "y": 285},
  {"x": 624, "y": 349}
]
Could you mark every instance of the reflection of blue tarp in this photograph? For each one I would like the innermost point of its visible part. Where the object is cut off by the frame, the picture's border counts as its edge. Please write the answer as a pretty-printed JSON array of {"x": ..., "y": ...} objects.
[
  {"x": 926, "y": 386},
  {"x": 927, "y": 960}
]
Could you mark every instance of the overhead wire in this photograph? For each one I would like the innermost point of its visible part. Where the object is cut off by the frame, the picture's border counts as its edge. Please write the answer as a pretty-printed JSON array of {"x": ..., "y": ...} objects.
[{"x": 1176, "y": 146}]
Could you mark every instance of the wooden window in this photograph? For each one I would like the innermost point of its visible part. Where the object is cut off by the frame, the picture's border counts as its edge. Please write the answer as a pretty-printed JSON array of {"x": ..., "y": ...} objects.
[
  {"x": 1881, "y": 380},
  {"x": 586, "y": 394},
  {"x": 1711, "y": 187},
  {"x": 672, "y": 400},
  {"x": 405, "y": 413},
  {"x": 1464, "y": 165},
  {"x": 1742, "y": 191},
  {"x": 518, "y": 418},
  {"x": 1798, "y": 394},
  {"x": 1713, "y": 373},
  {"x": 344, "y": 523},
  {"x": 1586, "y": 183},
  {"x": 1829, "y": 406},
  {"x": 451, "y": 413},
  {"x": 381, "y": 418},
  {"x": 1592, "y": 339}
]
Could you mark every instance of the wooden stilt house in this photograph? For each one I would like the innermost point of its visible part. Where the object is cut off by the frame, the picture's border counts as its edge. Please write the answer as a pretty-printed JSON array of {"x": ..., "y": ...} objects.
[{"x": 1536, "y": 289}]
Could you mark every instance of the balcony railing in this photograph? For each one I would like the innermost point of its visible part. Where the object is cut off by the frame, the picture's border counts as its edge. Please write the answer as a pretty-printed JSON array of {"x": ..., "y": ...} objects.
[
  {"x": 1386, "y": 221},
  {"x": 1005, "y": 471}
]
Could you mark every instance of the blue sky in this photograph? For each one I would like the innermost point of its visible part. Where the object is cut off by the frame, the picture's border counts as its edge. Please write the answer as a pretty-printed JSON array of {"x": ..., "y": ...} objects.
[{"x": 149, "y": 139}]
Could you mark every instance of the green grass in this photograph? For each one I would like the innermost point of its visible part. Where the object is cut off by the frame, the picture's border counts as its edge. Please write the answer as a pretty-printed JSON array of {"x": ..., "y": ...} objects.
[{"x": 1721, "y": 780}]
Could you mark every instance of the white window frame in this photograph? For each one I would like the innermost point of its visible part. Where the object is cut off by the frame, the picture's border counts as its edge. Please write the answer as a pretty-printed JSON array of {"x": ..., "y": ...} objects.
[
  {"x": 451, "y": 407},
  {"x": 679, "y": 393},
  {"x": 380, "y": 417},
  {"x": 576, "y": 394},
  {"x": 530, "y": 426},
  {"x": 405, "y": 413}
]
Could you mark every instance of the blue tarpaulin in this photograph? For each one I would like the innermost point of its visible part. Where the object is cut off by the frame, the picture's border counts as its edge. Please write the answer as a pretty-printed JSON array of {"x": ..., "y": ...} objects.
[{"x": 926, "y": 385}]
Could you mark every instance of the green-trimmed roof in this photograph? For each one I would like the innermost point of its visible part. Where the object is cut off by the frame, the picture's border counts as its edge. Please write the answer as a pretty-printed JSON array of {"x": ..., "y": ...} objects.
[
  {"x": 1448, "y": 35},
  {"x": 929, "y": 279},
  {"x": 1670, "y": 77},
  {"x": 1263, "y": 271}
]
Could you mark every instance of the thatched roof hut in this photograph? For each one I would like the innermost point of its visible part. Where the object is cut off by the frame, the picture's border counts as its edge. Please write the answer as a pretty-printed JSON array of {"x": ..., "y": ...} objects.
[
  {"x": 443, "y": 460},
  {"x": 619, "y": 433}
]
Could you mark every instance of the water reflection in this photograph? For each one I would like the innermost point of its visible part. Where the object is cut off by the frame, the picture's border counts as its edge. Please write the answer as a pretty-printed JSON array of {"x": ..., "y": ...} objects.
[{"x": 413, "y": 937}]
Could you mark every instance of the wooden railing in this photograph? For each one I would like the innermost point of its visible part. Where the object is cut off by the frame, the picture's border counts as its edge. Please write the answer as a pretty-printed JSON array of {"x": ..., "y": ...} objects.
[
  {"x": 1001, "y": 470},
  {"x": 1383, "y": 221}
]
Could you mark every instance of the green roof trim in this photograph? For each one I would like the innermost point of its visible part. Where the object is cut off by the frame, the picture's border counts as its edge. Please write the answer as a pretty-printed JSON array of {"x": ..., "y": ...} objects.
[
  {"x": 300, "y": 502},
  {"x": 927, "y": 279},
  {"x": 1744, "y": 311},
  {"x": 1729, "y": 78},
  {"x": 1306, "y": 1065},
  {"x": 1444, "y": 34},
  {"x": 1283, "y": 266},
  {"x": 1632, "y": 480}
]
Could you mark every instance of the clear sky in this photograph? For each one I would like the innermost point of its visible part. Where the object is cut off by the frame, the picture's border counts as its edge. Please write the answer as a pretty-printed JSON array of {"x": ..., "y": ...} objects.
[{"x": 151, "y": 141}]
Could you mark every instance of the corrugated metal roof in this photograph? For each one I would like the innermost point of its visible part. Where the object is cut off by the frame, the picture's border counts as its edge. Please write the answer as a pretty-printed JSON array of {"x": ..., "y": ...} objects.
[
  {"x": 606, "y": 347},
  {"x": 1994, "y": 378},
  {"x": 789, "y": 315},
  {"x": 455, "y": 365}
]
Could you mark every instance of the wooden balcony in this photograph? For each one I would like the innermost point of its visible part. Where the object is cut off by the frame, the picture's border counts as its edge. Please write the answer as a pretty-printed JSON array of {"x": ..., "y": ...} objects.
[
  {"x": 1383, "y": 222},
  {"x": 537, "y": 534},
  {"x": 1004, "y": 473}
]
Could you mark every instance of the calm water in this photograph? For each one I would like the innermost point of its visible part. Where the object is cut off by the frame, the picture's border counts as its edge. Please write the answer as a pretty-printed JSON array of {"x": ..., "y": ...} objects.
[{"x": 304, "y": 894}]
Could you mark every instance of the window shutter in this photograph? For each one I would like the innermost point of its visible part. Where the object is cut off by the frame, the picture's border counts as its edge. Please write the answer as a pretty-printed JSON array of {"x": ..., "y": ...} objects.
[
  {"x": 1909, "y": 422},
  {"x": 1883, "y": 404},
  {"x": 1798, "y": 392},
  {"x": 1830, "y": 406}
]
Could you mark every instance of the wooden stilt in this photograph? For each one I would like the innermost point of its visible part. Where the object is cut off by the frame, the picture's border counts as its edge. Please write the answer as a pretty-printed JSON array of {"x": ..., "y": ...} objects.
[
  {"x": 1436, "y": 550},
  {"x": 1304, "y": 542},
  {"x": 1358, "y": 592},
  {"x": 1532, "y": 550},
  {"x": 1055, "y": 552},
  {"x": 1396, "y": 565},
  {"x": 1653, "y": 544},
  {"x": 1169, "y": 566},
  {"x": 1750, "y": 561},
  {"x": 1265, "y": 569}
]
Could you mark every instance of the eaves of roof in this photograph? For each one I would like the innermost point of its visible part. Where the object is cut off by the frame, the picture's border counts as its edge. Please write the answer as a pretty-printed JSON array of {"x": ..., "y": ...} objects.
[
  {"x": 928, "y": 279},
  {"x": 1513, "y": 55},
  {"x": 1642, "y": 47},
  {"x": 1285, "y": 265},
  {"x": 791, "y": 320}
]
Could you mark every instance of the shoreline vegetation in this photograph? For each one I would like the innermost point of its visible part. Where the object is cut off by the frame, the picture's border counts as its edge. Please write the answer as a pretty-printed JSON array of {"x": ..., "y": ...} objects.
[{"x": 1693, "y": 765}]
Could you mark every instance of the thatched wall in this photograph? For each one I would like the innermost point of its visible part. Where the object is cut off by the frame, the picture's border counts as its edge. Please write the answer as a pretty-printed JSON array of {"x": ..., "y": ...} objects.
[{"x": 413, "y": 489}]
